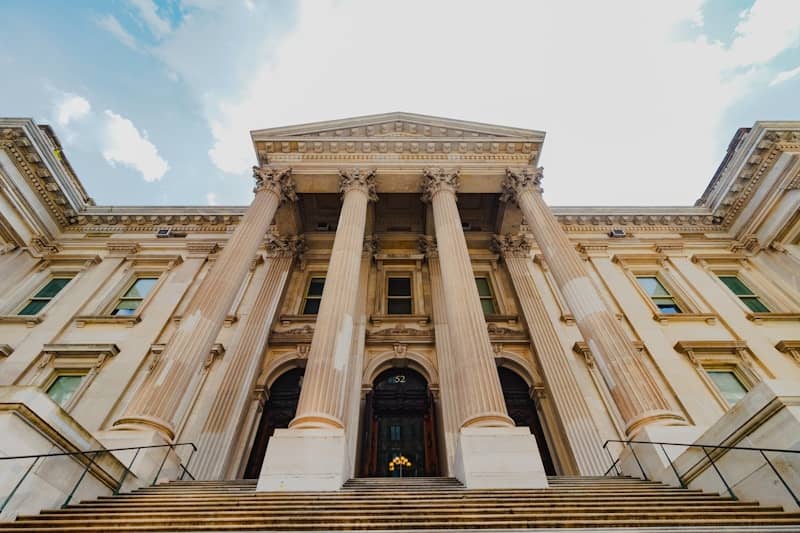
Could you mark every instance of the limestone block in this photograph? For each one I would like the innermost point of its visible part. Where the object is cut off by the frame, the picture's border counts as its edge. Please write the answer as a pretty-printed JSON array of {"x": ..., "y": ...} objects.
[
  {"x": 149, "y": 460},
  {"x": 304, "y": 460},
  {"x": 499, "y": 458}
]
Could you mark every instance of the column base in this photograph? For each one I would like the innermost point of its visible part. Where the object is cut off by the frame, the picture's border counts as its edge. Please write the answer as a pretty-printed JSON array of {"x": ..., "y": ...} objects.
[
  {"x": 499, "y": 458},
  {"x": 304, "y": 460}
]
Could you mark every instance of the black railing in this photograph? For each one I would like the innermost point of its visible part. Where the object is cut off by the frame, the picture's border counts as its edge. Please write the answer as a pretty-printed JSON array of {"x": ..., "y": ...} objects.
[
  {"x": 706, "y": 457},
  {"x": 90, "y": 457}
]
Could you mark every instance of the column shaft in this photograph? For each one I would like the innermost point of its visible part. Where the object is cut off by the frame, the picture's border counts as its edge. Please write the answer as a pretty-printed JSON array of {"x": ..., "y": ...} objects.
[
  {"x": 229, "y": 409},
  {"x": 482, "y": 397},
  {"x": 322, "y": 398},
  {"x": 562, "y": 386},
  {"x": 158, "y": 402},
  {"x": 639, "y": 401}
]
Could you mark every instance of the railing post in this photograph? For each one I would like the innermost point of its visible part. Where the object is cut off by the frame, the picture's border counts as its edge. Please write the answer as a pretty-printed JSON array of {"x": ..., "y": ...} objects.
[
  {"x": 14, "y": 490},
  {"x": 641, "y": 468},
  {"x": 791, "y": 492},
  {"x": 611, "y": 458},
  {"x": 83, "y": 474},
  {"x": 162, "y": 465},
  {"x": 125, "y": 474},
  {"x": 680, "y": 480},
  {"x": 189, "y": 460},
  {"x": 730, "y": 491}
]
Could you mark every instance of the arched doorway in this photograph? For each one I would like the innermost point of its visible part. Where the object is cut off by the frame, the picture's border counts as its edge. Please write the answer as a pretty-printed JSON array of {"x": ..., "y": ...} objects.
[
  {"x": 279, "y": 411},
  {"x": 522, "y": 410},
  {"x": 398, "y": 421}
]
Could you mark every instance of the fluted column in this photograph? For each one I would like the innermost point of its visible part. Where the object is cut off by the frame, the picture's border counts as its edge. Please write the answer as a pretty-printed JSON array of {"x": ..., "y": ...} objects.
[
  {"x": 449, "y": 374},
  {"x": 482, "y": 403},
  {"x": 229, "y": 409},
  {"x": 562, "y": 386},
  {"x": 322, "y": 400},
  {"x": 639, "y": 401},
  {"x": 158, "y": 402}
]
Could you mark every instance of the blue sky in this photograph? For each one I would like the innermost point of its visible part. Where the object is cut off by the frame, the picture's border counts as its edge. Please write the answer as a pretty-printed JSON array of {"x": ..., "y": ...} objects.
[{"x": 154, "y": 100}]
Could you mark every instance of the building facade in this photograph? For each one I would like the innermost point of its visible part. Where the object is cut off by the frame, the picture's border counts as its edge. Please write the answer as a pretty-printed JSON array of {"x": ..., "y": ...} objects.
[{"x": 397, "y": 288}]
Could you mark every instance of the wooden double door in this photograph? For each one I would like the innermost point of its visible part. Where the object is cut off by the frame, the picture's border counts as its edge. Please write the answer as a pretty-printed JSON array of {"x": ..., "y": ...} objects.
[{"x": 399, "y": 422}]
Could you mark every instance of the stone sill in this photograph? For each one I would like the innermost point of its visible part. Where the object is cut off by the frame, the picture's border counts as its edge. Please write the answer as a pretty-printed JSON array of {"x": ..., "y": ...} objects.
[
  {"x": 511, "y": 319},
  {"x": 759, "y": 318},
  {"x": 229, "y": 320},
  {"x": 380, "y": 319},
  {"x": 291, "y": 319},
  {"x": 708, "y": 318},
  {"x": 127, "y": 321},
  {"x": 28, "y": 320}
]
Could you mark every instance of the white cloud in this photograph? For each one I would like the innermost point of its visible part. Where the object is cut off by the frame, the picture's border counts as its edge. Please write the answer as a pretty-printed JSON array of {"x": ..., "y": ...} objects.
[
  {"x": 765, "y": 30},
  {"x": 124, "y": 144},
  {"x": 112, "y": 25},
  {"x": 211, "y": 198},
  {"x": 785, "y": 75},
  {"x": 71, "y": 107},
  {"x": 148, "y": 12}
]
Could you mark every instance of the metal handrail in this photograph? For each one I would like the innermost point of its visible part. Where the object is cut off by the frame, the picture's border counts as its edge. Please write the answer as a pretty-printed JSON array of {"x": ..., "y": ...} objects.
[
  {"x": 706, "y": 457},
  {"x": 91, "y": 456}
]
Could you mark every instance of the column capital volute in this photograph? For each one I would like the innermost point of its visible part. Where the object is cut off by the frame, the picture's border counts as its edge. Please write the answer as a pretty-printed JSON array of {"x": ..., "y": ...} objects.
[
  {"x": 435, "y": 179},
  {"x": 276, "y": 180},
  {"x": 512, "y": 245},
  {"x": 361, "y": 179},
  {"x": 518, "y": 180},
  {"x": 427, "y": 245},
  {"x": 289, "y": 246}
]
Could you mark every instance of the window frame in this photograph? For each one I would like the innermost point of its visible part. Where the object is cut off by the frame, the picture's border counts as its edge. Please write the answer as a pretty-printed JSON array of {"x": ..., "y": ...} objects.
[
  {"x": 52, "y": 276},
  {"x": 124, "y": 286},
  {"x": 491, "y": 297},
  {"x": 747, "y": 283},
  {"x": 388, "y": 297},
  {"x": 670, "y": 294},
  {"x": 46, "y": 386},
  {"x": 305, "y": 297}
]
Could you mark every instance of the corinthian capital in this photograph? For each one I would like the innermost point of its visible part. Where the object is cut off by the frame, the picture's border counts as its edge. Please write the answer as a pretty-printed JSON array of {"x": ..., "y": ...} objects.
[
  {"x": 439, "y": 179},
  {"x": 276, "y": 180},
  {"x": 520, "y": 179},
  {"x": 427, "y": 245},
  {"x": 511, "y": 245},
  {"x": 358, "y": 179}
]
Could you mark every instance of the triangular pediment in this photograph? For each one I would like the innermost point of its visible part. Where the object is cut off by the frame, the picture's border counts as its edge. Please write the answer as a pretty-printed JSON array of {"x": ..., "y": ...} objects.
[{"x": 394, "y": 125}]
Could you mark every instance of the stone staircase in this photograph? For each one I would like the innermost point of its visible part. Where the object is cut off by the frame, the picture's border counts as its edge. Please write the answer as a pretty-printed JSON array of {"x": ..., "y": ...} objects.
[{"x": 412, "y": 503}]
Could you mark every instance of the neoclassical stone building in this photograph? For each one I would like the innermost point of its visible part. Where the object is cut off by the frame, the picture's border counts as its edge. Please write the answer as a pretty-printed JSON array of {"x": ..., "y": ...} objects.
[{"x": 398, "y": 286}]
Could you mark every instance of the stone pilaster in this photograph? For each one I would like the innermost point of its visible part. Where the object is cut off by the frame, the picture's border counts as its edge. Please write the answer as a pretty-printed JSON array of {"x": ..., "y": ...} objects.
[
  {"x": 484, "y": 421},
  {"x": 322, "y": 398},
  {"x": 448, "y": 371},
  {"x": 318, "y": 434},
  {"x": 639, "y": 401},
  {"x": 574, "y": 416},
  {"x": 159, "y": 402},
  {"x": 216, "y": 454}
]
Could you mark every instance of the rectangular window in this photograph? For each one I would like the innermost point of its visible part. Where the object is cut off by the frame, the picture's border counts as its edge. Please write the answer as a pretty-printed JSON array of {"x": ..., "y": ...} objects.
[
  {"x": 486, "y": 296},
  {"x": 660, "y": 296},
  {"x": 130, "y": 301},
  {"x": 398, "y": 296},
  {"x": 744, "y": 293},
  {"x": 728, "y": 384},
  {"x": 313, "y": 296},
  {"x": 64, "y": 387},
  {"x": 39, "y": 300}
]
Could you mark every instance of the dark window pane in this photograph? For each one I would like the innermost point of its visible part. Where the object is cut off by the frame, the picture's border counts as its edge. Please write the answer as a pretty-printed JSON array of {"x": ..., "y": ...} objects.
[
  {"x": 126, "y": 307},
  {"x": 488, "y": 307},
  {"x": 736, "y": 285},
  {"x": 399, "y": 287},
  {"x": 52, "y": 288},
  {"x": 483, "y": 286},
  {"x": 755, "y": 304},
  {"x": 316, "y": 286},
  {"x": 141, "y": 288},
  {"x": 398, "y": 306},
  {"x": 668, "y": 308},
  {"x": 33, "y": 307},
  {"x": 311, "y": 307}
]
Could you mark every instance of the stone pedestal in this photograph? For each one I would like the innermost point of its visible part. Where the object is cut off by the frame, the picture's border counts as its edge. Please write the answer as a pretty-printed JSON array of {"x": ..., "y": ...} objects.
[
  {"x": 499, "y": 458},
  {"x": 304, "y": 460}
]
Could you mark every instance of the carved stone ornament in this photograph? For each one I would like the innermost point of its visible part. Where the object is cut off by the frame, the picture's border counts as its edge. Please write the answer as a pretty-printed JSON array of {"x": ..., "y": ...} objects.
[
  {"x": 511, "y": 245},
  {"x": 427, "y": 245},
  {"x": 519, "y": 179},
  {"x": 372, "y": 244},
  {"x": 437, "y": 179},
  {"x": 285, "y": 246},
  {"x": 358, "y": 178},
  {"x": 277, "y": 180}
]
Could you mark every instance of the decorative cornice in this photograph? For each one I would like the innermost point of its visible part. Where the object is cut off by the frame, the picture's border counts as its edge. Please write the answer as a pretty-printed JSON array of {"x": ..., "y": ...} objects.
[
  {"x": 511, "y": 245},
  {"x": 437, "y": 179},
  {"x": 43, "y": 245},
  {"x": 122, "y": 248},
  {"x": 276, "y": 180},
  {"x": 519, "y": 179},
  {"x": 288, "y": 246},
  {"x": 201, "y": 248},
  {"x": 360, "y": 179}
]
